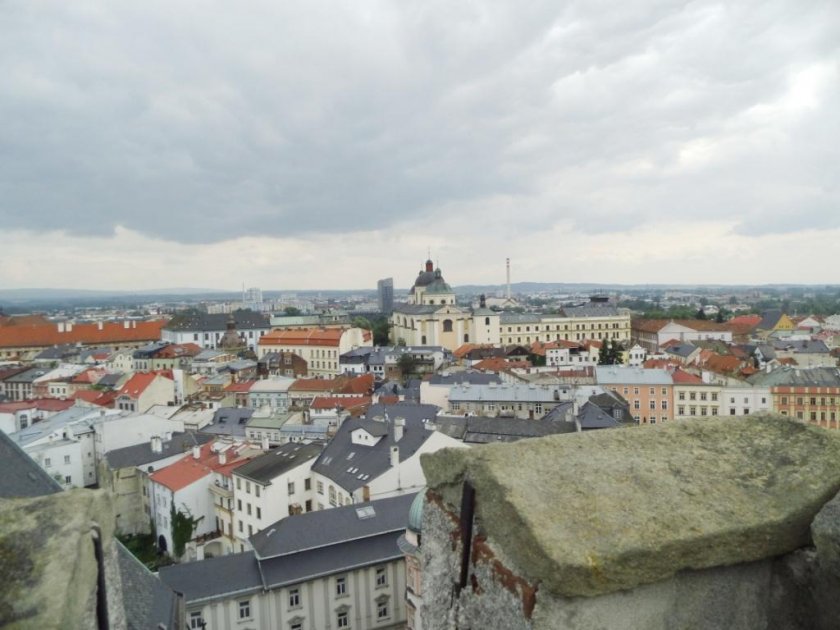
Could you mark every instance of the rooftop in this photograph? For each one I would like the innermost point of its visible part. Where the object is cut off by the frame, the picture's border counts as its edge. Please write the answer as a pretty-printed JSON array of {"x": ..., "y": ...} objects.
[{"x": 265, "y": 468}]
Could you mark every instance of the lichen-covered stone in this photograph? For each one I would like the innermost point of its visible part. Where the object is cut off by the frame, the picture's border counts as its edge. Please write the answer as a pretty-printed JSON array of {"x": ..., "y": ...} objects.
[
  {"x": 47, "y": 560},
  {"x": 597, "y": 512}
]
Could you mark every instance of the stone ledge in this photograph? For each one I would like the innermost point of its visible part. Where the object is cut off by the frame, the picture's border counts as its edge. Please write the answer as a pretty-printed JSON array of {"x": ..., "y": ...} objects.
[
  {"x": 47, "y": 552},
  {"x": 593, "y": 513}
]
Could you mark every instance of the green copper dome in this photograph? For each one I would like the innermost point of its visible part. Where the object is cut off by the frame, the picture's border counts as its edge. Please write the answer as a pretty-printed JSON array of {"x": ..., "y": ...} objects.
[{"x": 415, "y": 512}]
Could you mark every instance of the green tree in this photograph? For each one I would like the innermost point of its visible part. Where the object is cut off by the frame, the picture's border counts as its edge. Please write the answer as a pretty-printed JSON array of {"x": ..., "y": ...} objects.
[
  {"x": 614, "y": 354},
  {"x": 407, "y": 364},
  {"x": 701, "y": 314},
  {"x": 183, "y": 527},
  {"x": 381, "y": 331},
  {"x": 604, "y": 353},
  {"x": 719, "y": 318},
  {"x": 362, "y": 322},
  {"x": 292, "y": 311}
]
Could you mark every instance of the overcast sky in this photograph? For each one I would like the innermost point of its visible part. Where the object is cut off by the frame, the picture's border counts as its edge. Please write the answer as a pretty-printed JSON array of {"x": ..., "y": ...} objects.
[{"x": 323, "y": 144}]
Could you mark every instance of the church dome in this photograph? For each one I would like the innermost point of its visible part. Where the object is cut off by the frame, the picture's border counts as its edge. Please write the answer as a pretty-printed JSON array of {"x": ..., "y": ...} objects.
[
  {"x": 425, "y": 277},
  {"x": 438, "y": 284}
]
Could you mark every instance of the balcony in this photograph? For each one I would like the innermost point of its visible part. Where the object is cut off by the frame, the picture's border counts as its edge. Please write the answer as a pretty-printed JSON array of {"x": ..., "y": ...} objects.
[{"x": 222, "y": 490}]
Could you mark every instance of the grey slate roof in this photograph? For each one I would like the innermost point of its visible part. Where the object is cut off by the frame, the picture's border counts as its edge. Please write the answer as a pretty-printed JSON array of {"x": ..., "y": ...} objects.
[
  {"x": 20, "y": 476},
  {"x": 338, "y": 558},
  {"x": 591, "y": 310},
  {"x": 147, "y": 601},
  {"x": 110, "y": 380},
  {"x": 473, "y": 378},
  {"x": 28, "y": 376},
  {"x": 683, "y": 350},
  {"x": 507, "y": 319},
  {"x": 769, "y": 319},
  {"x": 57, "y": 352},
  {"x": 214, "y": 577},
  {"x": 296, "y": 549},
  {"x": 324, "y": 528},
  {"x": 229, "y": 421},
  {"x": 140, "y": 454},
  {"x": 805, "y": 346},
  {"x": 368, "y": 462},
  {"x": 278, "y": 460},
  {"x": 200, "y": 322},
  {"x": 787, "y": 376},
  {"x": 417, "y": 309},
  {"x": 482, "y": 430},
  {"x": 593, "y": 417}
]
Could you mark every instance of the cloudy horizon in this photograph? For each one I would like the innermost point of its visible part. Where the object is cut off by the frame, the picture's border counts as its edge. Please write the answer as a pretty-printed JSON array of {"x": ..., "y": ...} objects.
[{"x": 320, "y": 145}]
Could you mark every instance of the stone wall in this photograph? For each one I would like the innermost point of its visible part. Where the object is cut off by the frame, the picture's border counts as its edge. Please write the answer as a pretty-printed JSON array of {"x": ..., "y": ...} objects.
[{"x": 742, "y": 532}]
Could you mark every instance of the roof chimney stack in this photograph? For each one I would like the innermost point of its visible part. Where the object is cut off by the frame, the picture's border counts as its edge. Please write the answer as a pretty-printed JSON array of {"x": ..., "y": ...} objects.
[
  {"x": 156, "y": 445},
  {"x": 222, "y": 458},
  {"x": 399, "y": 428},
  {"x": 507, "y": 264},
  {"x": 395, "y": 456},
  {"x": 265, "y": 445},
  {"x": 196, "y": 452}
]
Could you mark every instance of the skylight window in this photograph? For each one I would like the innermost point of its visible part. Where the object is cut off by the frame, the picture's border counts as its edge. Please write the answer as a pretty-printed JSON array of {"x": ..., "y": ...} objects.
[{"x": 365, "y": 512}]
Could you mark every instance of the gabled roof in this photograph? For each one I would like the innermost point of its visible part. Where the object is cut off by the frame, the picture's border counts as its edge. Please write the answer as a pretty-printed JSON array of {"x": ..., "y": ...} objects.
[
  {"x": 324, "y": 528},
  {"x": 240, "y": 387},
  {"x": 370, "y": 461},
  {"x": 189, "y": 469},
  {"x": 139, "y": 454},
  {"x": 265, "y": 468},
  {"x": 137, "y": 384}
]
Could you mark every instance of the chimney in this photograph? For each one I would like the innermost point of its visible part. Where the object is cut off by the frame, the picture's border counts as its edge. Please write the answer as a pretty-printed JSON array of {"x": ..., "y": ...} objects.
[
  {"x": 507, "y": 264},
  {"x": 222, "y": 458},
  {"x": 60, "y": 327},
  {"x": 265, "y": 443},
  {"x": 395, "y": 456},
  {"x": 196, "y": 452},
  {"x": 99, "y": 325},
  {"x": 68, "y": 326},
  {"x": 125, "y": 323},
  {"x": 156, "y": 445},
  {"x": 399, "y": 428}
]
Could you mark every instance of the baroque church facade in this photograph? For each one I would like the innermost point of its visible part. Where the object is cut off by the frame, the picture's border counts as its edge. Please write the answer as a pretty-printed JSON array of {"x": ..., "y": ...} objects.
[{"x": 431, "y": 316}]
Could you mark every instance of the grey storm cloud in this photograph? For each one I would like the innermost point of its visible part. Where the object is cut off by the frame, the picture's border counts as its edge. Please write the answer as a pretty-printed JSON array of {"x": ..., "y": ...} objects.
[{"x": 198, "y": 122}]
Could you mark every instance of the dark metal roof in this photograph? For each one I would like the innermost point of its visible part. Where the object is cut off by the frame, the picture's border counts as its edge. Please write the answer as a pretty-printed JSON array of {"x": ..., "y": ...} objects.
[
  {"x": 20, "y": 476},
  {"x": 339, "y": 558},
  {"x": 199, "y": 322},
  {"x": 142, "y": 453},
  {"x": 279, "y": 460},
  {"x": 369, "y": 461},
  {"x": 148, "y": 602},
  {"x": 214, "y": 577},
  {"x": 326, "y": 528},
  {"x": 473, "y": 378}
]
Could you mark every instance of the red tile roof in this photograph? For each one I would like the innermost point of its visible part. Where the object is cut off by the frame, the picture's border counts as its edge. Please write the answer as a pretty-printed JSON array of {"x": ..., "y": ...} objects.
[
  {"x": 175, "y": 350},
  {"x": 188, "y": 469},
  {"x": 88, "y": 376},
  {"x": 345, "y": 402},
  {"x": 42, "y": 404},
  {"x": 241, "y": 386},
  {"x": 313, "y": 385},
  {"x": 94, "y": 397},
  {"x": 37, "y": 332},
  {"x": 137, "y": 384},
  {"x": 303, "y": 337},
  {"x": 685, "y": 378},
  {"x": 356, "y": 384},
  {"x": 499, "y": 364},
  {"x": 463, "y": 350}
]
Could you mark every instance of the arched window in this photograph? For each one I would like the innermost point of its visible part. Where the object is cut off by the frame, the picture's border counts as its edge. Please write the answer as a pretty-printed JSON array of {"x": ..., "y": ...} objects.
[
  {"x": 466, "y": 338},
  {"x": 447, "y": 325},
  {"x": 486, "y": 321}
]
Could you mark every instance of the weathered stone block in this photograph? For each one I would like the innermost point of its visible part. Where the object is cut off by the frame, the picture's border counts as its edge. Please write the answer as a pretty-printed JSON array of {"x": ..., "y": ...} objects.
[
  {"x": 594, "y": 513},
  {"x": 48, "y": 564}
]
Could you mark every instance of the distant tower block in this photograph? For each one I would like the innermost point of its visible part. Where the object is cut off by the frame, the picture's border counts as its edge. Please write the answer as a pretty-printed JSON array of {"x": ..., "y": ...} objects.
[{"x": 507, "y": 263}]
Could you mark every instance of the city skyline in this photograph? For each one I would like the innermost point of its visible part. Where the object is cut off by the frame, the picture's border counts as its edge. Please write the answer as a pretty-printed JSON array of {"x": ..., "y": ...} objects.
[{"x": 323, "y": 146}]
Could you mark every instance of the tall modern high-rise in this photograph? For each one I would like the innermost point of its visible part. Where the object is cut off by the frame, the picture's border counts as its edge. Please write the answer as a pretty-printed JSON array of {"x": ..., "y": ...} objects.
[{"x": 385, "y": 288}]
